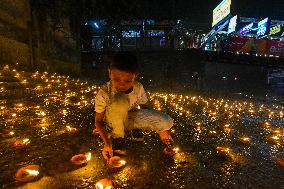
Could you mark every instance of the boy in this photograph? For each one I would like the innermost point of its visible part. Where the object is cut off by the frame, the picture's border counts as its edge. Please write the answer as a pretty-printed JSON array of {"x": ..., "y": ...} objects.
[{"x": 117, "y": 101}]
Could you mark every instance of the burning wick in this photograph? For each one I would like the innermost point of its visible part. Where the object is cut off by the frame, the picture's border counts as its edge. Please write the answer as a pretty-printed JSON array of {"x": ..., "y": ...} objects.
[
  {"x": 81, "y": 159},
  {"x": 104, "y": 184}
]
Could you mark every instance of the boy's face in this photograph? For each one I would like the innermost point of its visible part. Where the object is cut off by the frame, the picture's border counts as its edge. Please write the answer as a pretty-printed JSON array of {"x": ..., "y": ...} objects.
[{"x": 122, "y": 81}]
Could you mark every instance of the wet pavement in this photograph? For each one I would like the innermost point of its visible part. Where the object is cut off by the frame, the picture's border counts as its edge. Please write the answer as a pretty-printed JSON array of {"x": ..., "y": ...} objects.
[{"x": 223, "y": 142}]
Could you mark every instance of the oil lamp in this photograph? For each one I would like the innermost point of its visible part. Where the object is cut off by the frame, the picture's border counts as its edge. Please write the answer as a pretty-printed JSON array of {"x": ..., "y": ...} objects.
[{"x": 27, "y": 173}]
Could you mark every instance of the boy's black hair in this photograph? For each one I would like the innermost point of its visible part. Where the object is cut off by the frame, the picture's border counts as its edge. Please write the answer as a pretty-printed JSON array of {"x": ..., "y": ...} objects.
[{"x": 125, "y": 61}]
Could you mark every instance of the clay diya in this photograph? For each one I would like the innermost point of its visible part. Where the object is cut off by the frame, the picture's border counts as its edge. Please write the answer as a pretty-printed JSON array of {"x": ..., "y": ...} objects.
[
  {"x": 212, "y": 133},
  {"x": 71, "y": 130},
  {"x": 170, "y": 151},
  {"x": 81, "y": 159},
  {"x": 104, "y": 184},
  {"x": 6, "y": 133},
  {"x": 226, "y": 128},
  {"x": 116, "y": 162},
  {"x": 244, "y": 140},
  {"x": 28, "y": 173},
  {"x": 280, "y": 161},
  {"x": 21, "y": 143},
  {"x": 223, "y": 152}
]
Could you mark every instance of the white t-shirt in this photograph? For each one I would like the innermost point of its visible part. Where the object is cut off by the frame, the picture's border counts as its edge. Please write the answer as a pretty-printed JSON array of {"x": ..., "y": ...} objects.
[{"x": 136, "y": 97}]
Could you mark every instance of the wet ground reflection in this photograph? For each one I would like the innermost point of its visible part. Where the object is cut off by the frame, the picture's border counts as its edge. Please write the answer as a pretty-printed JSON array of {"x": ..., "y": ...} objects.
[{"x": 224, "y": 143}]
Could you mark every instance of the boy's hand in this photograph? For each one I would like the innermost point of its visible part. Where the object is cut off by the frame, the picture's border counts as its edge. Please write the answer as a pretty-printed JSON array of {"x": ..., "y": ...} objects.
[
  {"x": 166, "y": 137},
  {"x": 95, "y": 132},
  {"x": 107, "y": 152}
]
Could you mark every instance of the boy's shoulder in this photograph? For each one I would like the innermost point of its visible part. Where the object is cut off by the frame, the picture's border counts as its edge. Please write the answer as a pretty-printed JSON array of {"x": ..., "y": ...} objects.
[
  {"x": 105, "y": 87},
  {"x": 137, "y": 84}
]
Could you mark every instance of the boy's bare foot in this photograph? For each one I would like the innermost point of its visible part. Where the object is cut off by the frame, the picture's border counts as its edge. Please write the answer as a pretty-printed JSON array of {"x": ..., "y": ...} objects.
[{"x": 166, "y": 137}]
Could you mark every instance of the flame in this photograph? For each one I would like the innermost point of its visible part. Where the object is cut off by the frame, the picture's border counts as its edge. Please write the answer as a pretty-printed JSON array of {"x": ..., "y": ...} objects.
[
  {"x": 122, "y": 162},
  {"x": 11, "y": 133},
  {"x": 99, "y": 185},
  {"x": 26, "y": 141},
  {"x": 89, "y": 155},
  {"x": 176, "y": 149},
  {"x": 32, "y": 172}
]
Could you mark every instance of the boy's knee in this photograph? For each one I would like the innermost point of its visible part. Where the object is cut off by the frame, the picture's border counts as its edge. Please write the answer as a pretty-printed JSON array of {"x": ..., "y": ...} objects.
[
  {"x": 169, "y": 122},
  {"x": 166, "y": 123}
]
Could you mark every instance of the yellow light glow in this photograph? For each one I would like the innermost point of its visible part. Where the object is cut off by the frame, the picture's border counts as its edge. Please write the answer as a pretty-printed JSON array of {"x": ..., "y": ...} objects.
[
  {"x": 32, "y": 172},
  {"x": 89, "y": 155}
]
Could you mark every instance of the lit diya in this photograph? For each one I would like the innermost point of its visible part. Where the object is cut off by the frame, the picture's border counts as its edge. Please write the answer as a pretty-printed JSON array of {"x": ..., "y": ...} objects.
[
  {"x": 116, "y": 162},
  {"x": 81, "y": 159},
  {"x": 223, "y": 152},
  {"x": 20, "y": 143},
  {"x": 170, "y": 151},
  {"x": 104, "y": 184},
  {"x": 6, "y": 133},
  {"x": 245, "y": 140},
  {"x": 226, "y": 128},
  {"x": 212, "y": 134},
  {"x": 71, "y": 130},
  {"x": 28, "y": 173},
  {"x": 280, "y": 161}
]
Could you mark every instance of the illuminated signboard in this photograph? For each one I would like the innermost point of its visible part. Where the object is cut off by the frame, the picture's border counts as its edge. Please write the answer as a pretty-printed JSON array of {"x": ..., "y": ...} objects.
[
  {"x": 275, "y": 29},
  {"x": 262, "y": 27},
  {"x": 232, "y": 24},
  {"x": 130, "y": 34},
  {"x": 221, "y": 11},
  {"x": 156, "y": 33},
  {"x": 246, "y": 29}
]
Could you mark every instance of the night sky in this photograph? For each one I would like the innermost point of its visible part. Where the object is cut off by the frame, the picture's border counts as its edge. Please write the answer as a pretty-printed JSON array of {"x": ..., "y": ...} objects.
[{"x": 194, "y": 10}]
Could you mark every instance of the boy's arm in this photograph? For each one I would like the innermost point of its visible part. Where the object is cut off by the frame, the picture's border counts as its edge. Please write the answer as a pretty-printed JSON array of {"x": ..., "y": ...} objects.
[
  {"x": 107, "y": 149},
  {"x": 100, "y": 128},
  {"x": 147, "y": 105}
]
